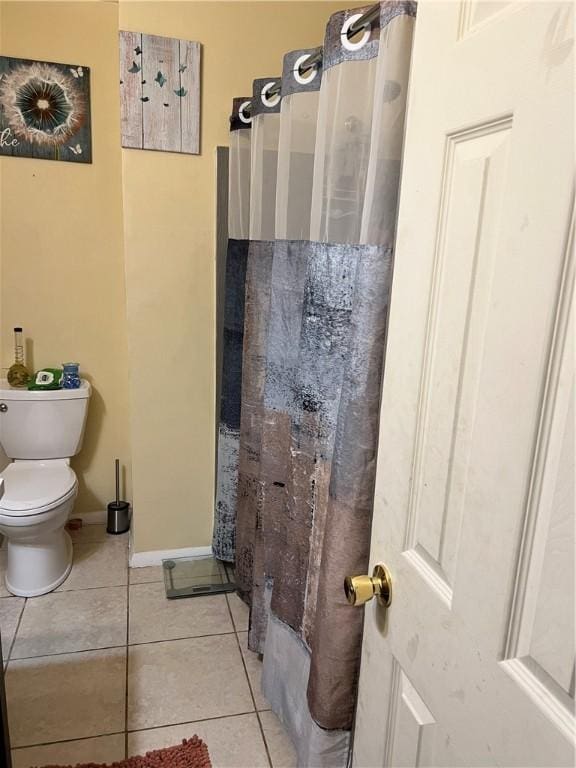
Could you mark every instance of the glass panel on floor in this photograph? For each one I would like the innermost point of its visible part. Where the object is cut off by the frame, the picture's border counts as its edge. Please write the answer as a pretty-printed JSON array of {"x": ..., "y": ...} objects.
[{"x": 197, "y": 576}]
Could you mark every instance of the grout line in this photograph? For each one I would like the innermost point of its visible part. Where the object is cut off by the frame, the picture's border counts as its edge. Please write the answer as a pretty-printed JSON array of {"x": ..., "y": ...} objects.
[
  {"x": 67, "y": 653},
  {"x": 268, "y": 755},
  {"x": 129, "y": 645},
  {"x": 236, "y": 628},
  {"x": 127, "y": 663},
  {"x": 250, "y": 688},
  {"x": 187, "y": 637},
  {"x": 137, "y": 583},
  {"x": 60, "y": 591},
  {"x": 81, "y": 589},
  {"x": 189, "y": 722},
  {"x": 67, "y": 741},
  {"x": 11, "y": 648},
  {"x": 64, "y": 591},
  {"x": 136, "y": 730},
  {"x": 84, "y": 589}
]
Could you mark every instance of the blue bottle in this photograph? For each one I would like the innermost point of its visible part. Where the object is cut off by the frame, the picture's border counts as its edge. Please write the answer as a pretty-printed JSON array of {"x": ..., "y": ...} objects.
[{"x": 70, "y": 377}]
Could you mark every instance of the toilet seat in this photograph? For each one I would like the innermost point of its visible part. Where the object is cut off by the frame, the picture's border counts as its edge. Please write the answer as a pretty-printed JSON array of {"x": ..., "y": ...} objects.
[{"x": 33, "y": 487}]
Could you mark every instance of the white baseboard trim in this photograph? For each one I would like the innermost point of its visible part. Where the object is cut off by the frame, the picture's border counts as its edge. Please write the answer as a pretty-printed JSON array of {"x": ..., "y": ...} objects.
[{"x": 144, "y": 559}]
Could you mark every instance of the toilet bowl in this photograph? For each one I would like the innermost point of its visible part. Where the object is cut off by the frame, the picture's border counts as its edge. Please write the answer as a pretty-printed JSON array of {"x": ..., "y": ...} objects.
[
  {"x": 38, "y": 498},
  {"x": 39, "y": 431}
]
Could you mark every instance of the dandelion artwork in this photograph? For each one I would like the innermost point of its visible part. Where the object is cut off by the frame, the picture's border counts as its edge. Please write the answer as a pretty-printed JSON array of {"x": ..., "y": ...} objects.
[
  {"x": 160, "y": 93},
  {"x": 45, "y": 110}
]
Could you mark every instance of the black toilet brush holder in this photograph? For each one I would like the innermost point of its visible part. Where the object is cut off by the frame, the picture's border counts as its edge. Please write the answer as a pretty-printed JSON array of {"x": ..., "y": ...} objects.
[{"x": 118, "y": 511}]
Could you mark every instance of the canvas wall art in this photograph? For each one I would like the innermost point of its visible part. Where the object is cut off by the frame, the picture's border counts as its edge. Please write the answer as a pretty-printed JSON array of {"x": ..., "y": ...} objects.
[
  {"x": 45, "y": 110},
  {"x": 160, "y": 93}
]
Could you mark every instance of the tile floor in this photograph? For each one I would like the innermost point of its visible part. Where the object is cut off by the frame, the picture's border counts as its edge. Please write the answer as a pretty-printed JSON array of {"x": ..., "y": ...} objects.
[{"x": 106, "y": 667}]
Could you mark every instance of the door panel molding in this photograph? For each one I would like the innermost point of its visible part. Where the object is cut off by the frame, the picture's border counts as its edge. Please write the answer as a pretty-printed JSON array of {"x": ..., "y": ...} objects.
[
  {"x": 410, "y": 726},
  {"x": 472, "y": 21},
  {"x": 473, "y": 182},
  {"x": 545, "y": 666}
]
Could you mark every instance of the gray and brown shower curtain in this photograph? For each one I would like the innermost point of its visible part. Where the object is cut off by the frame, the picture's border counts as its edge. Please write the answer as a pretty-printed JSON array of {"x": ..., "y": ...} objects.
[
  {"x": 233, "y": 330},
  {"x": 324, "y": 177}
]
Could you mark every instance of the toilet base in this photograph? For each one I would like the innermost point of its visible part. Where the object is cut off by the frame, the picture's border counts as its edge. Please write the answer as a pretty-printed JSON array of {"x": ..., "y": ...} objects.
[{"x": 38, "y": 567}]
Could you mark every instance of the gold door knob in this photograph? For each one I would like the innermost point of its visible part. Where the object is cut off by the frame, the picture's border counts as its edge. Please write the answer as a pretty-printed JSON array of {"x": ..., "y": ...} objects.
[{"x": 360, "y": 589}]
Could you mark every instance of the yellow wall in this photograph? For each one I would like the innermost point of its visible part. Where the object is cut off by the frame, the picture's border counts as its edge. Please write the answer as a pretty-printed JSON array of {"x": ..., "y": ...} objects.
[
  {"x": 114, "y": 263},
  {"x": 169, "y": 205},
  {"x": 62, "y": 268}
]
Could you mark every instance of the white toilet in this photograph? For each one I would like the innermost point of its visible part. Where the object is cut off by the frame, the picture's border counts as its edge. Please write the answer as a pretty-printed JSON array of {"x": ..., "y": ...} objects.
[{"x": 40, "y": 431}]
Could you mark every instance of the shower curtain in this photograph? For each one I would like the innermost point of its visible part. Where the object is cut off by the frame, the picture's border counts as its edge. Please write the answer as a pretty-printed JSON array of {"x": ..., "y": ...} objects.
[
  {"x": 233, "y": 330},
  {"x": 325, "y": 170}
]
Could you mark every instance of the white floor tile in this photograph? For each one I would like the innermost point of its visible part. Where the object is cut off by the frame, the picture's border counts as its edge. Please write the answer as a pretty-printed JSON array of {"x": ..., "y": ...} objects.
[
  {"x": 72, "y": 696},
  {"x": 184, "y": 680},
  {"x": 254, "y": 669},
  {"x": 146, "y": 574},
  {"x": 154, "y": 617},
  {"x": 62, "y": 622},
  {"x": 240, "y": 612},
  {"x": 98, "y": 564},
  {"x": 233, "y": 742},
  {"x": 280, "y": 747},
  {"x": 103, "y": 749},
  {"x": 10, "y": 612}
]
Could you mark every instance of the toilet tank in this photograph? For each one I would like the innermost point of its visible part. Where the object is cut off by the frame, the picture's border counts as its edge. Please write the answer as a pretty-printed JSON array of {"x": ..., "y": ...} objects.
[{"x": 45, "y": 424}]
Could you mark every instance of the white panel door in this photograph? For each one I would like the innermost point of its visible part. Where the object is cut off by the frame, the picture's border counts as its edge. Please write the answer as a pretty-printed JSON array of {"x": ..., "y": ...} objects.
[{"x": 473, "y": 664}]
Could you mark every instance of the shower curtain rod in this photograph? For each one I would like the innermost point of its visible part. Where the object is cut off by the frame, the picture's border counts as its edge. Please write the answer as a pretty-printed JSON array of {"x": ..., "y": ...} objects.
[{"x": 367, "y": 18}]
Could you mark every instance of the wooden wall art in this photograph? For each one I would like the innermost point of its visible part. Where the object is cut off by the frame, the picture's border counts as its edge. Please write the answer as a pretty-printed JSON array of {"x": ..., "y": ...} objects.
[{"x": 160, "y": 93}]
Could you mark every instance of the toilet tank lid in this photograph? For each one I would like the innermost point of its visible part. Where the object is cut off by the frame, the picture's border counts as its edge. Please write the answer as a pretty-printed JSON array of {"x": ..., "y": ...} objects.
[{"x": 10, "y": 393}]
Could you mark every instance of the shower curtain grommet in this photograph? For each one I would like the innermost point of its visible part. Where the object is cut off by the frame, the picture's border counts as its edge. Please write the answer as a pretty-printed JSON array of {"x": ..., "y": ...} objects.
[
  {"x": 346, "y": 41},
  {"x": 269, "y": 101},
  {"x": 244, "y": 115},
  {"x": 309, "y": 76}
]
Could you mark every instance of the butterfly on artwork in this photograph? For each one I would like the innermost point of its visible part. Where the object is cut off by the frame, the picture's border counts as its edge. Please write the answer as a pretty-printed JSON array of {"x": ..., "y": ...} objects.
[
  {"x": 78, "y": 72},
  {"x": 77, "y": 150}
]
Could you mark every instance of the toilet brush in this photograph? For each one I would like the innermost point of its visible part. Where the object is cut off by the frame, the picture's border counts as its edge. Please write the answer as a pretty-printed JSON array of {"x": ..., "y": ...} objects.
[{"x": 118, "y": 511}]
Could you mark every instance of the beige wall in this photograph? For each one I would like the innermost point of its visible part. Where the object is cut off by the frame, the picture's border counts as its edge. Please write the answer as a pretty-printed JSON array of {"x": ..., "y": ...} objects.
[
  {"x": 170, "y": 261},
  {"x": 114, "y": 263},
  {"x": 62, "y": 268}
]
